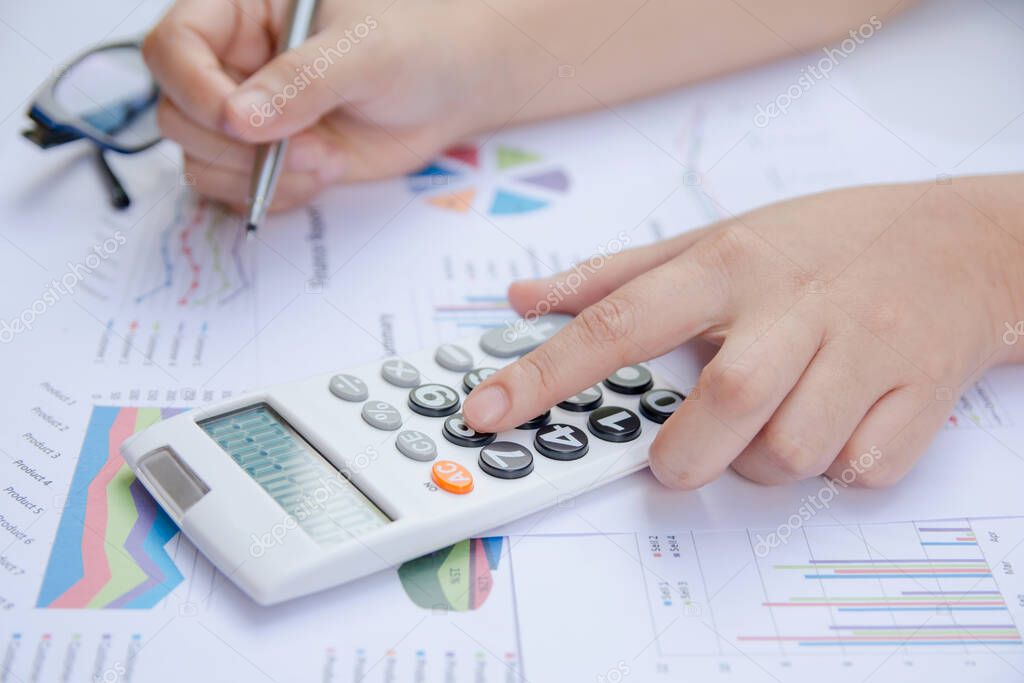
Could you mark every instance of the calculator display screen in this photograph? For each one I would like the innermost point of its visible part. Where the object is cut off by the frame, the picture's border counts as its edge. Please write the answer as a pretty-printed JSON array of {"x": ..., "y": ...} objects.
[{"x": 312, "y": 492}]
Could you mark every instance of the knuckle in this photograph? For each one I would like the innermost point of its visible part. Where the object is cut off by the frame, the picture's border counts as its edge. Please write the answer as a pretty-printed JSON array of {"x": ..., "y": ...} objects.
[
  {"x": 538, "y": 370},
  {"x": 861, "y": 471},
  {"x": 793, "y": 456},
  {"x": 882, "y": 318},
  {"x": 726, "y": 249},
  {"x": 607, "y": 322},
  {"x": 734, "y": 389}
]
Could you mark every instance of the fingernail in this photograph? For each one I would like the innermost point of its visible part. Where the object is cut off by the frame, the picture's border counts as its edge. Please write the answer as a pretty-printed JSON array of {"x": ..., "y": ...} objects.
[
  {"x": 484, "y": 407},
  {"x": 248, "y": 109}
]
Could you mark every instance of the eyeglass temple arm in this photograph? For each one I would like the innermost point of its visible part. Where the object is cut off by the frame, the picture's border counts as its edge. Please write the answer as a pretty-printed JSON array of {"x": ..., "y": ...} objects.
[{"x": 119, "y": 198}]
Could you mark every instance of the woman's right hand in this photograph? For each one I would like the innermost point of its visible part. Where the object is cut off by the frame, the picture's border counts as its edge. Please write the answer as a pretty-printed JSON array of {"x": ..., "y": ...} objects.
[{"x": 372, "y": 93}]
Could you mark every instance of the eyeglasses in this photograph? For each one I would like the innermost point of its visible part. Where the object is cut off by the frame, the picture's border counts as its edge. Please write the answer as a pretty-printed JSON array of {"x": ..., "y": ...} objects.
[{"x": 105, "y": 96}]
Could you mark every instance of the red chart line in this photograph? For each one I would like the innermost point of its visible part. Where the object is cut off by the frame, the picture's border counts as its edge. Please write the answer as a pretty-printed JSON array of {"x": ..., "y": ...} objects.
[{"x": 186, "y": 250}]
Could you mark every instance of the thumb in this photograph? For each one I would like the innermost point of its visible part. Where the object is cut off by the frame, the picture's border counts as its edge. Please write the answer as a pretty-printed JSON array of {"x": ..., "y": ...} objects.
[{"x": 293, "y": 90}]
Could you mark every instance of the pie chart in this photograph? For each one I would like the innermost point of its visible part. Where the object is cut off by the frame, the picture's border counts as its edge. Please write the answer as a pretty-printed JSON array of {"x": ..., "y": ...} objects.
[
  {"x": 498, "y": 181},
  {"x": 457, "y": 578}
]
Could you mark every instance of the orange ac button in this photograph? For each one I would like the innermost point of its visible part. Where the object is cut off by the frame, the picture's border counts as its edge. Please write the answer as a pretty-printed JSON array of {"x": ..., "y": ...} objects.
[{"x": 451, "y": 476}]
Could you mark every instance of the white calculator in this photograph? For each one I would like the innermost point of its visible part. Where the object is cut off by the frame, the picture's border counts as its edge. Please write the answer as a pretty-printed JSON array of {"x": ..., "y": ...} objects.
[{"x": 306, "y": 485}]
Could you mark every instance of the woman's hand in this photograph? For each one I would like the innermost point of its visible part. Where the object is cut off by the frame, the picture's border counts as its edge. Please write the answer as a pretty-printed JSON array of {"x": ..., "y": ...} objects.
[
  {"x": 849, "y": 323},
  {"x": 371, "y": 94}
]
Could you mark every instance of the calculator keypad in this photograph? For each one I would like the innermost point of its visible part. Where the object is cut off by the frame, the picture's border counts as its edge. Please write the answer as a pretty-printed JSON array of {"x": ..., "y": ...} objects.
[{"x": 503, "y": 459}]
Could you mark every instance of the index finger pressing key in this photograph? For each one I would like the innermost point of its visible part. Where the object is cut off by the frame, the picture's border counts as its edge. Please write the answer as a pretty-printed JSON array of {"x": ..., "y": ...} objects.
[{"x": 648, "y": 316}]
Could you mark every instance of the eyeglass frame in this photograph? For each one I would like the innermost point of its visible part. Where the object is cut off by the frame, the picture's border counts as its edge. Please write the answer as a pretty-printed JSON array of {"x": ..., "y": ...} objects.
[{"x": 47, "y": 112}]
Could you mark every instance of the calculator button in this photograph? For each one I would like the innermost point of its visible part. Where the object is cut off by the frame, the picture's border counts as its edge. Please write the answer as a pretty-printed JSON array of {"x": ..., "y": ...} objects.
[
  {"x": 659, "y": 404},
  {"x": 561, "y": 442},
  {"x": 506, "y": 460},
  {"x": 474, "y": 377},
  {"x": 451, "y": 476},
  {"x": 536, "y": 422},
  {"x": 585, "y": 401},
  {"x": 632, "y": 379},
  {"x": 434, "y": 400},
  {"x": 400, "y": 373},
  {"x": 349, "y": 388},
  {"x": 461, "y": 434},
  {"x": 454, "y": 358},
  {"x": 522, "y": 335},
  {"x": 416, "y": 445},
  {"x": 382, "y": 415},
  {"x": 612, "y": 423}
]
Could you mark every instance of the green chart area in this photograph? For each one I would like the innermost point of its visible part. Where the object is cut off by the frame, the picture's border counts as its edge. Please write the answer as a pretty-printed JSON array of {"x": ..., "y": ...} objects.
[{"x": 457, "y": 578}]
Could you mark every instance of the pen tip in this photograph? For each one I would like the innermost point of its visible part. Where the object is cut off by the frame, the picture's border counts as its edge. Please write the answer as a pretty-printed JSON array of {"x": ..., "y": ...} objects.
[{"x": 250, "y": 230}]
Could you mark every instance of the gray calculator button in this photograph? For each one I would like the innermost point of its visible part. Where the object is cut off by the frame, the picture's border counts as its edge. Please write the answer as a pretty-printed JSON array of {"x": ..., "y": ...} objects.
[
  {"x": 612, "y": 423},
  {"x": 416, "y": 445},
  {"x": 433, "y": 400},
  {"x": 454, "y": 358},
  {"x": 474, "y": 377},
  {"x": 400, "y": 373},
  {"x": 382, "y": 415},
  {"x": 522, "y": 335},
  {"x": 561, "y": 442},
  {"x": 632, "y": 379},
  {"x": 659, "y": 404},
  {"x": 349, "y": 388},
  {"x": 585, "y": 401},
  {"x": 461, "y": 434},
  {"x": 506, "y": 460}
]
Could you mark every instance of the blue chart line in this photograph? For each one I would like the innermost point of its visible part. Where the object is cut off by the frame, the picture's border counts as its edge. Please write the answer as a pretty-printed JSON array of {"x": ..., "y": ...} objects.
[{"x": 165, "y": 251}]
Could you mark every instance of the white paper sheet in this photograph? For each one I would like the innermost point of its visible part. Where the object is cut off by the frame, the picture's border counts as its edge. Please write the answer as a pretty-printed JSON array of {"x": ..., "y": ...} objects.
[{"x": 575, "y": 593}]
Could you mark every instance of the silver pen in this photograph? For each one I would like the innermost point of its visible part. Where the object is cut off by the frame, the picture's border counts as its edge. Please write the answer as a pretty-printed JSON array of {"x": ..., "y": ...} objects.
[{"x": 270, "y": 156}]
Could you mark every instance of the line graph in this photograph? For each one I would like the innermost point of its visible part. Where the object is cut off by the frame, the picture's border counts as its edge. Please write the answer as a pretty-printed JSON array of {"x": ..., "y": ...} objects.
[
  {"x": 187, "y": 281},
  {"x": 197, "y": 256}
]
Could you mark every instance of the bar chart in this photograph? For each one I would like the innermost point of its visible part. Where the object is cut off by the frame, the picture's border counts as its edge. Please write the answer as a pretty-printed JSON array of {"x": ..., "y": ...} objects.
[{"x": 844, "y": 600}]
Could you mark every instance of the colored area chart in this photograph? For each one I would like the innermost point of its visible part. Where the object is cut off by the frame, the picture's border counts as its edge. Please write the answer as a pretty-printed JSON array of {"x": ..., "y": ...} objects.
[
  {"x": 457, "y": 578},
  {"x": 109, "y": 550},
  {"x": 507, "y": 181}
]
